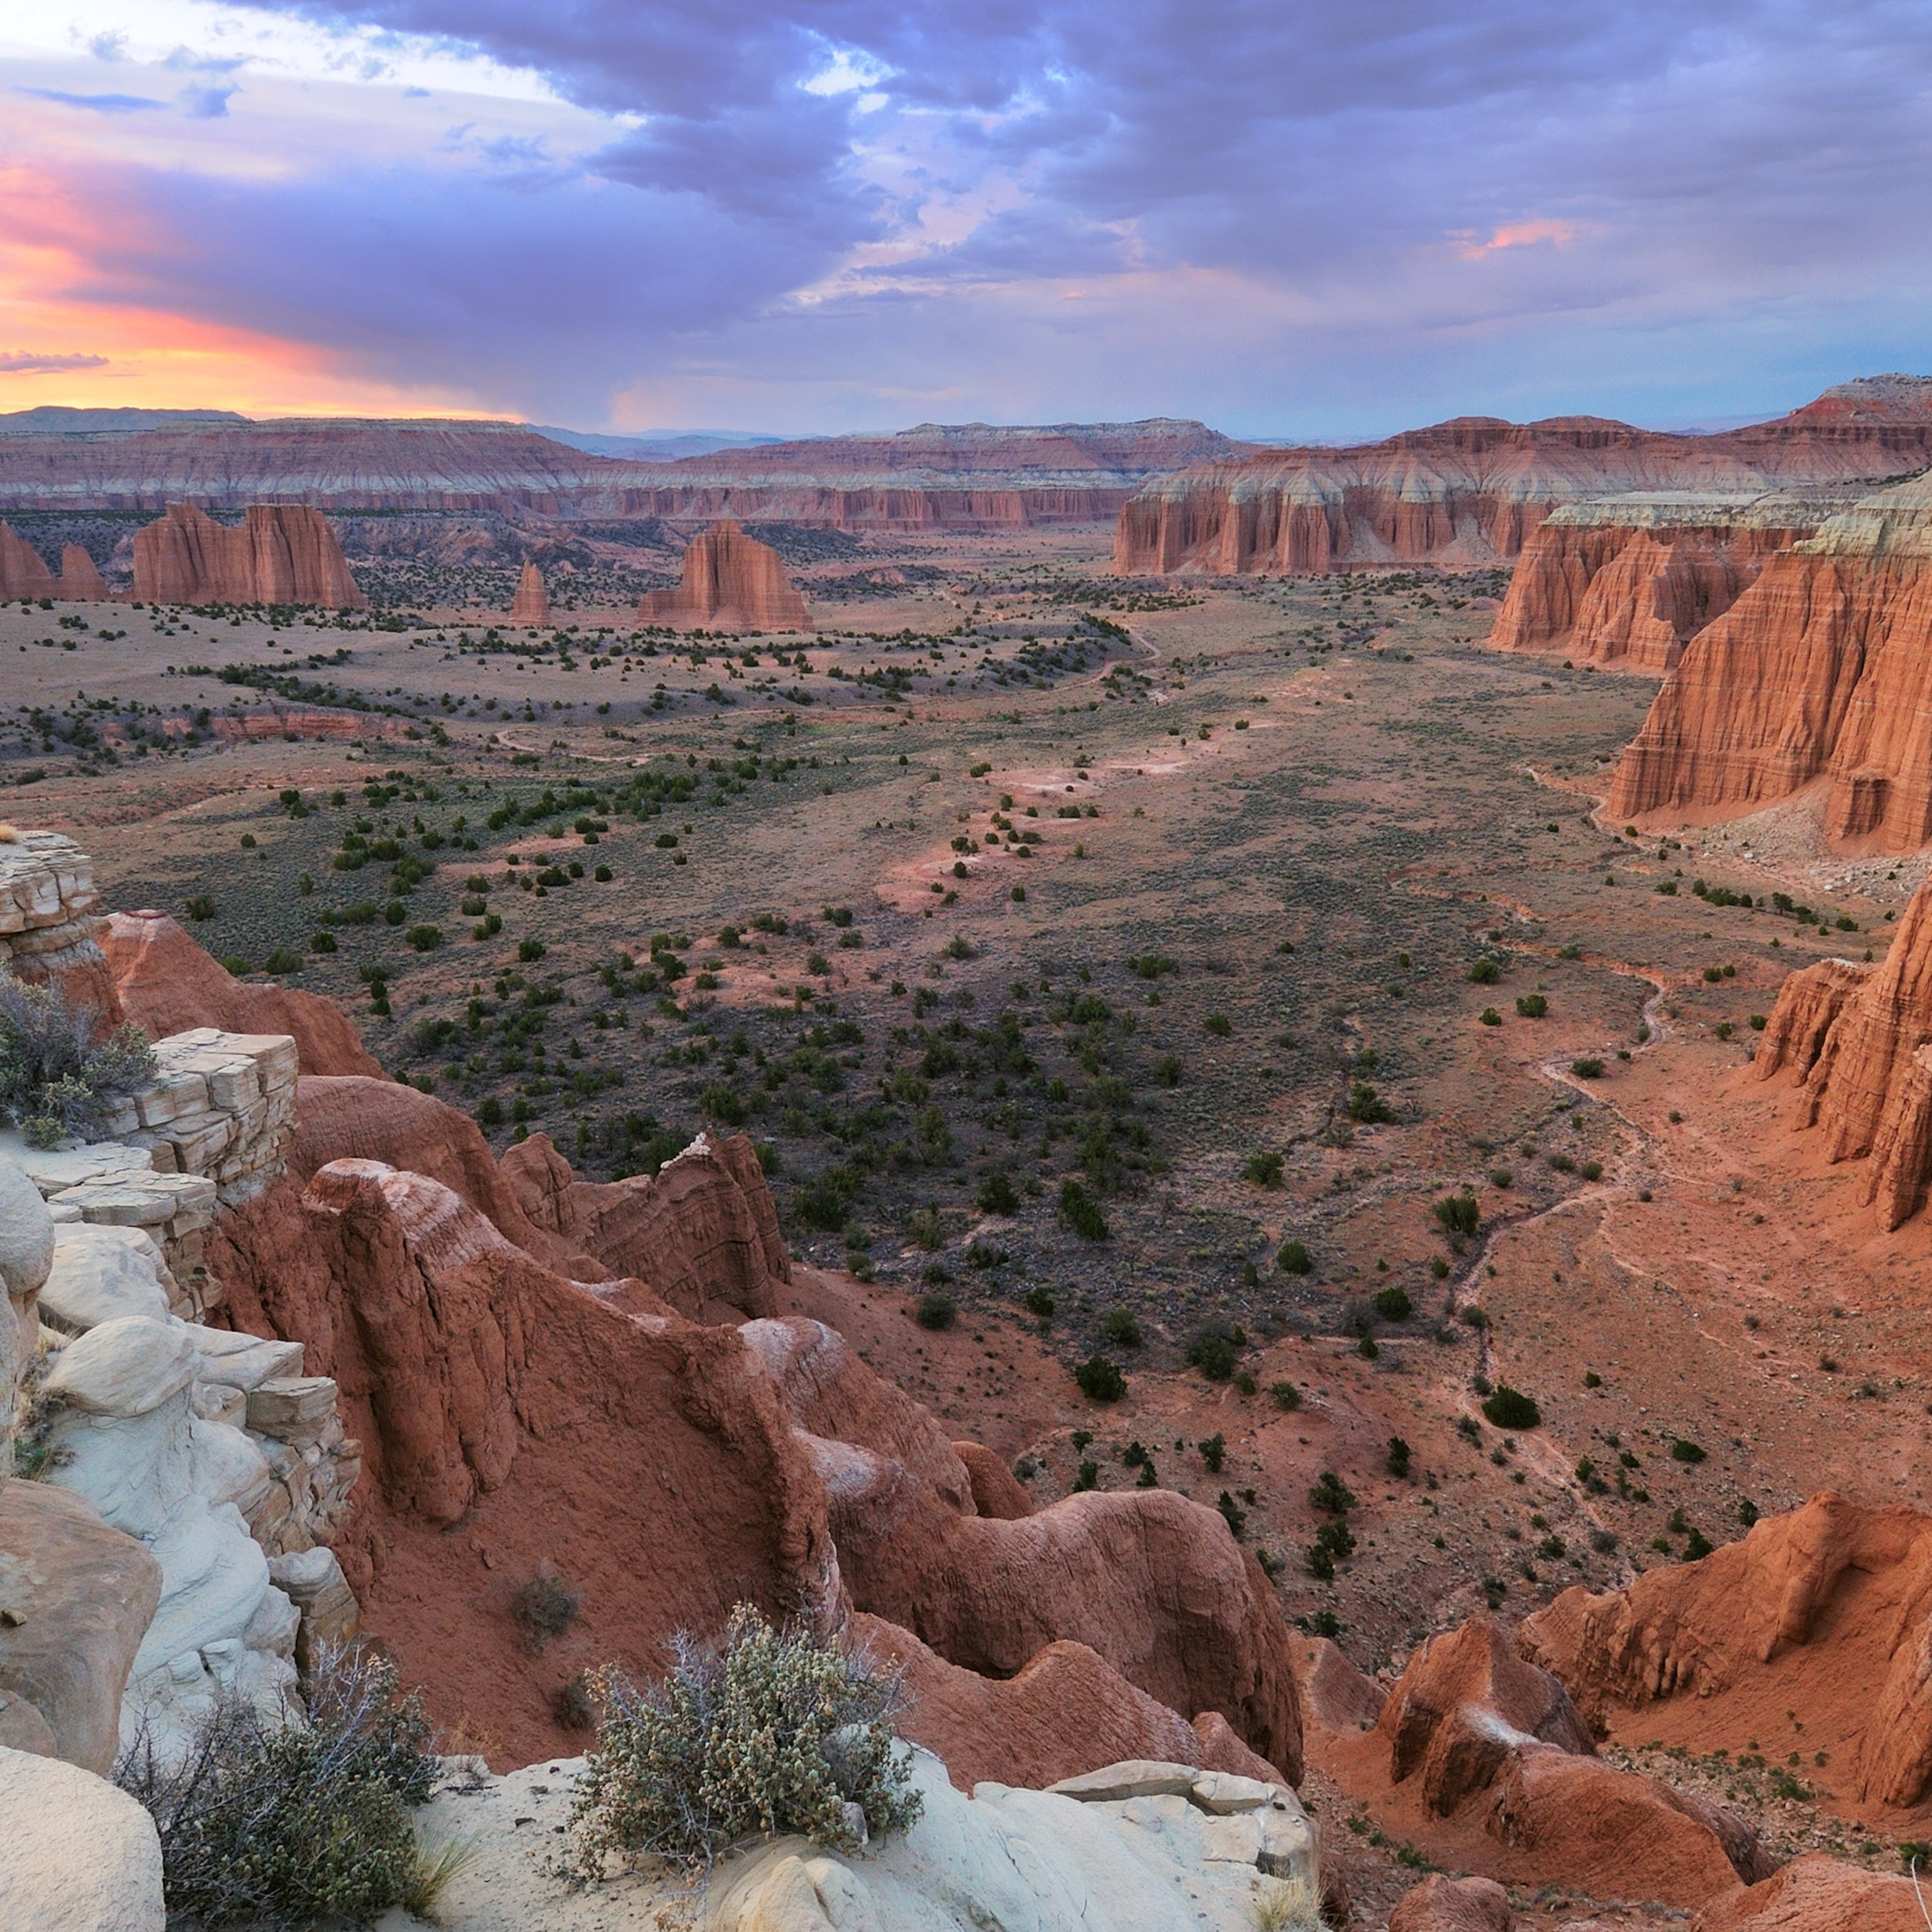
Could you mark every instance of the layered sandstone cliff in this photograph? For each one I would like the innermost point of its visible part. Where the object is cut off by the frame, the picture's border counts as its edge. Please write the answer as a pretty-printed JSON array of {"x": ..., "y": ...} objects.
[
  {"x": 1629, "y": 580},
  {"x": 1858, "y": 1040},
  {"x": 951, "y": 476},
  {"x": 282, "y": 553},
  {"x": 1474, "y": 489},
  {"x": 1820, "y": 674},
  {"x": 731, "y": 582},
  {"x": 530, "y": 607}
]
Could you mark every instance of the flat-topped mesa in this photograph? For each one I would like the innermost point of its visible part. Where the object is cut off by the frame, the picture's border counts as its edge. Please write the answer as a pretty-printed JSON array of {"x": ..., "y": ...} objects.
[
  {"x": 732, "y": 582},
  {"x": 1858, "y": 1040},
  {"x": 1816, "y": 677},
  {"x": 1629, "y": 580},
  {"x": 1473, "y": 490},
  {"x": 282, "y": 553},
  {"x": 530, "y": 607}
]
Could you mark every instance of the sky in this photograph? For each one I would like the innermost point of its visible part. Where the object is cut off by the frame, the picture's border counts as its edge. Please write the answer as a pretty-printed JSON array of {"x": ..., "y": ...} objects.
[{"x": 1287, "y": 219}]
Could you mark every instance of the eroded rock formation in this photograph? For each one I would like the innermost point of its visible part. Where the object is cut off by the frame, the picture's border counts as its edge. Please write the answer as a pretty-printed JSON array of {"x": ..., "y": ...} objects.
[
  {"x": 23, "y": 574},
  {"x": 281, "y": 554},
  {"x": 1472, "y": 491},
  {"x": 731, "y": 582},
  {"x": 1631, "y": 580},
  {"x": 1857, "y": 1039},
  {"x": 530, "y": 607},
  {"x": 1820, "y": 674},
  {"x": 165, "y": 983},
  {"x": 1747, "y": 1626}
]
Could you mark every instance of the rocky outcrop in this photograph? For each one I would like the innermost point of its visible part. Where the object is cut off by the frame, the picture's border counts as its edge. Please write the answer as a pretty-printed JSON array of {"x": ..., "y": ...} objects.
[
  {"x": 81, "y": 581},
  {"x": 1815, "y": 1893},
  {"x": 282, "y": 553},
  {"x": 703, "y": 1231},
  {"x": 22, "y": 572},
  {"x": 1464, "y": 1705},
  {"x": 50, "y": 928},
  {"x": 996, "y": 1491},
  {"x": 1715, "y": 1629},
  {"x": 1857, "y": 1039},
  {"x": 80, "y": 1855},
  {"x": 1179, "y": 1853},
  {"x": 530, "y": 607},
  {"x": 1629, "y": 581},
  {"x": 731, "y": 582},
  {"x": 167, "y": 984},
  {"x": 1816, "y": 677},
  {"x": 1473, "y": 490}
]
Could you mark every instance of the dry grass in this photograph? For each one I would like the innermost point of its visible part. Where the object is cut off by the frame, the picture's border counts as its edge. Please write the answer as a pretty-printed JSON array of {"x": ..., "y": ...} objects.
[{"x": 1287, "y": 1905}]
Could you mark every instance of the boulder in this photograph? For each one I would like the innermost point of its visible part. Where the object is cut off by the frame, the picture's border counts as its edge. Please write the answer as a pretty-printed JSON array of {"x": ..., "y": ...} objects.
[
  {"x": 101, "y": 1272},
  {"x": 730, "y": 582},
  {"x": 77, "y": 1598},
  {"x": 1465, "y": 1704},
  {"x": 167, "y": 984},
  {"x": 1815, "y": 1893},
  {"x": 80, "y": 1855},
  {"x": 1441, "y": 1904}
]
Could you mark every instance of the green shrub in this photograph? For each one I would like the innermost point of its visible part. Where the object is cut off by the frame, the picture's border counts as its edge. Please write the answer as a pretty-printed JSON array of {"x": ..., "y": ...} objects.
[
  {"x": 997, "y": 1194},
  {"x": 1365, "y": 1105},
  {"x": 1458, "y": 1214},
  {"x": 1532, "y": 1006},
  {"x": 1219, "y": 1025},
  {"x": 1038, "y": 1301},
  {"x": 424, "y": 938},
  {"x": 546, "y": 1607},
  {"x": 1232, "y": 1514},
  {"x": 926, "y": 1230},
  {"x": 201, "y": 906},
  {"x": 282, "y": 960},
  {"x": 62, "y": 1070},
  {"x": 278, "y": 1826},
  {"x": 1681, "y": 1451},
  {"x": 490, "y": 1112},
  {"x": 1592, "y": 1170},
  {"x": 1393, "y": 1304},
  {"x": 775, "y": 1732},
  {"x": 1099, "y": 1380},
  {"x": 1485, "y": 973},
  {"x": 1399, "y": 1456},
  {"x": 937, "y": 1310},
  {"x": 1211, "y": 1349},
  {"x": 1587, "y": 1068},
  {"x": 530, "y": 951},
  {"x": 1081, "y": 1212},
  {"x": 1295, "y": 1258},
  {"x": 1122, "y": 1327},
  {"x": 1490, "y": 1017},
  {"x": 1286, "y": 1395},
  {"x": 1331, "y": 1496},
  {"x": 1264, "y": 1170},
  {"x": 322, "y": 942},
  {"x": 1510, "y": 1409}
]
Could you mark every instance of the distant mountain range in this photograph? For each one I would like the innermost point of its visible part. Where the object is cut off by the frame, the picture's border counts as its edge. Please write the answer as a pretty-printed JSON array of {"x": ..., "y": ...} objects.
[{"x": 660, "y": 445}]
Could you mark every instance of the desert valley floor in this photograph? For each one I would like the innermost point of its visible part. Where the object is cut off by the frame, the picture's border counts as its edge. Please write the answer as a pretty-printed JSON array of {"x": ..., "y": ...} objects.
[{"x": 1249, "y": 925}]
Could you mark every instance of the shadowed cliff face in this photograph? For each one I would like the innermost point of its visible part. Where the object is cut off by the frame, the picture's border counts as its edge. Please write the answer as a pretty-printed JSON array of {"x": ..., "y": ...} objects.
[
  {"x": 284, "y": 554},
  {"x": 1820, "y": 673}
]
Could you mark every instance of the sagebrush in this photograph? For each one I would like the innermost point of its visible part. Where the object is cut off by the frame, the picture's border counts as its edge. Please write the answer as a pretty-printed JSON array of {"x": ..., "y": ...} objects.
[
  {"x": 280, "y": 1825},
  {"x": 773, "y": 1732},
  {"x": 62, "y": 1068}
]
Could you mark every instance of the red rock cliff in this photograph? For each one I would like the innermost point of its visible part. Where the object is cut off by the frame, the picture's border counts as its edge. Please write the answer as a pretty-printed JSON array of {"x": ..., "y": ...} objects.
[
  {"x": 1630, "y": 582},
  {"x": 22, "y": 573},
  {"x": 282, "y": 553},
  {"x": 731, "y": 582},
  {"x": 1820, "y": 673},
  {"x": 531, "y": 605},
  {"x": 1858, "y": 1040},
  {"x": 1473, "y": 490}
]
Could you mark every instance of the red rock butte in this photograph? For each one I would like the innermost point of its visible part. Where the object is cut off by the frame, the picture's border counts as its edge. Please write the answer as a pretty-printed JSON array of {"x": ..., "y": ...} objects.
[
  {"x": 531, "y": 605},
  {"x": 732, "y": 582},
  {"x": 281, "y": 554},
  {"x": 23, "y": 574}
]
